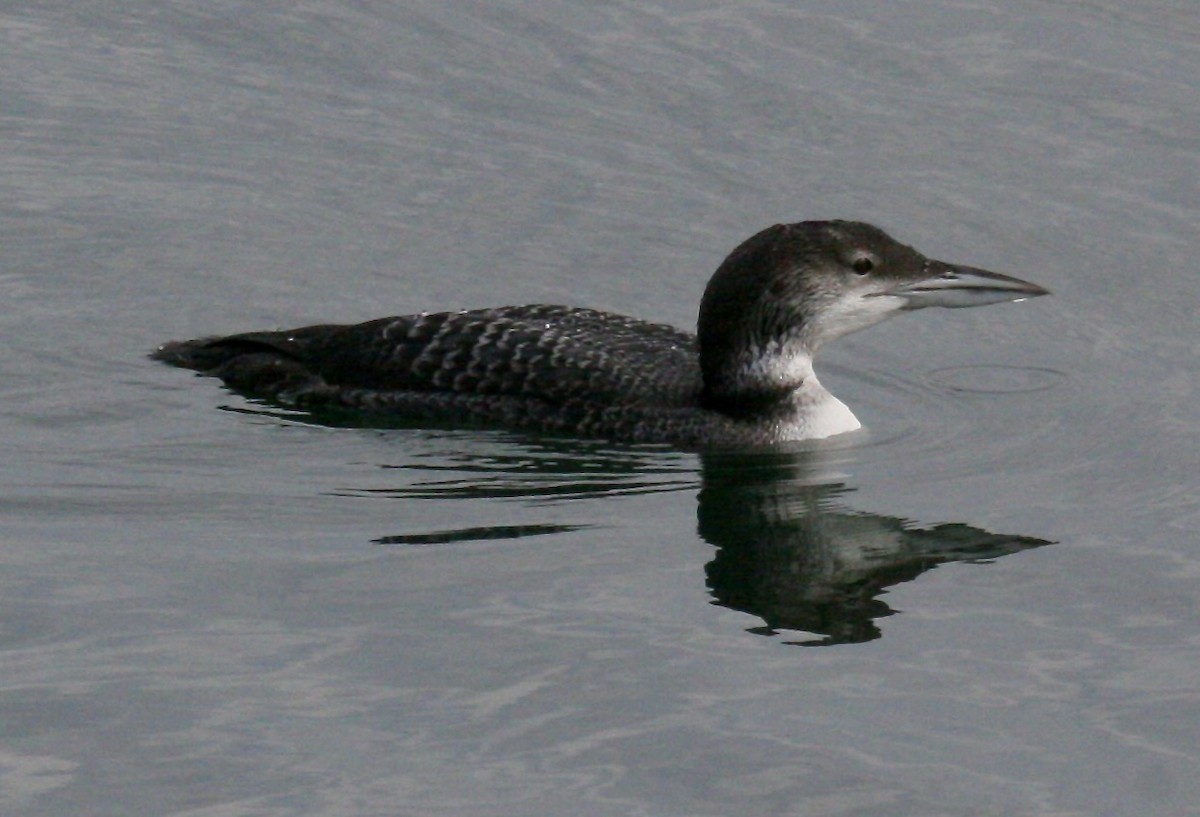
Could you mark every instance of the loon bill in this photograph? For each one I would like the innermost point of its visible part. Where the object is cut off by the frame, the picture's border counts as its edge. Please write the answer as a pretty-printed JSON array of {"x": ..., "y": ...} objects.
[{"x": 745, "y": 378}]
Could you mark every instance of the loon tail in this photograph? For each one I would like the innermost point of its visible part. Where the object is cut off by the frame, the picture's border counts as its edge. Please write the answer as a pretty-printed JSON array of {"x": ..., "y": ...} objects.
[
  {"x": 245, "y": 364},
  {"x": 203, "y": 355}
]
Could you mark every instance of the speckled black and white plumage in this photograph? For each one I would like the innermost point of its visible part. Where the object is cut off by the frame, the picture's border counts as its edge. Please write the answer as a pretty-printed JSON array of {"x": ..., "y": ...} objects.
[
  {"x": 747, "y": 381},
  {"x": 552, "y": 368}
]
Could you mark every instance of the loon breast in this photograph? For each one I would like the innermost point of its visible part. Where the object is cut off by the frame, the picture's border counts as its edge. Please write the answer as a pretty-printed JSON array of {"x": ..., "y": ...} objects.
[{"x": 746, "y": 379}]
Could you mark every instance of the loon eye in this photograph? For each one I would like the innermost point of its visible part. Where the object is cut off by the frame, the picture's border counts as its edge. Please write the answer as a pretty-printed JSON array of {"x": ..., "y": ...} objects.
[{"x": 863, "y": 264}]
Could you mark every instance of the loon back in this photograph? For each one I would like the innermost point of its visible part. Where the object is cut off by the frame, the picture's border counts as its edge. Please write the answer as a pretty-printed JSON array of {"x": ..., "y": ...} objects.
[{"x": 552, "y": 353}]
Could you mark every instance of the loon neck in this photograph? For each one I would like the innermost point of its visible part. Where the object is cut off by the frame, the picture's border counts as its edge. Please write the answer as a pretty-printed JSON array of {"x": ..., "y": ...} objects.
[
  {"x": 755, "y": 347},
  {"x": 776, "y": 384},
  {"x": 758, "y": 379}
]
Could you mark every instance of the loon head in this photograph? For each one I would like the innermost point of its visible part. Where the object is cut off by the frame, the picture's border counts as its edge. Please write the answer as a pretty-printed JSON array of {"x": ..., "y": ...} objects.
[{"x": 791, "y": 287}]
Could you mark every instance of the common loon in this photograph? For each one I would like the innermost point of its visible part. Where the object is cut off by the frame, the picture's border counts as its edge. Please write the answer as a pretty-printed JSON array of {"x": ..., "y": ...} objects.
[{"x": 745, "y": 379}]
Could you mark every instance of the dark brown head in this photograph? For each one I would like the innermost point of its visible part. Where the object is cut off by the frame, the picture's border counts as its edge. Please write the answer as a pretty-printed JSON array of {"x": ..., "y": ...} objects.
[{"x": 791, "y": 287}]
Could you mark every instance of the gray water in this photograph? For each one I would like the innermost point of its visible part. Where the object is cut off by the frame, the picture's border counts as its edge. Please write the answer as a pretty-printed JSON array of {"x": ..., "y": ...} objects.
[{"x": 209, "y": 607}]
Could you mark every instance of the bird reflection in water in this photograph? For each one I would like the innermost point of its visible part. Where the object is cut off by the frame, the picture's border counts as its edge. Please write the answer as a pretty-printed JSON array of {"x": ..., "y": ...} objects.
[
  {"x": 790, "y": 552},
  {"x": 789, "y": 548}
]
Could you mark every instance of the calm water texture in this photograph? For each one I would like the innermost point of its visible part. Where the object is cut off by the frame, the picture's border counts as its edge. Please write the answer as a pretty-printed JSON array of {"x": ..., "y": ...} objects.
[{"x": 210, "y": 608}]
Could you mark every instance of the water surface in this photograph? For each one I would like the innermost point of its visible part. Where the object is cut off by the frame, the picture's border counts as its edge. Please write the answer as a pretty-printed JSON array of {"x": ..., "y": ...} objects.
[{"x": 985, "y": 607}]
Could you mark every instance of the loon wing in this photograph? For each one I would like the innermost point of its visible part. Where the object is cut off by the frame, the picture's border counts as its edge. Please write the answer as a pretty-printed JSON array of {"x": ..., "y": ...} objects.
[{"x": 554, "y": 353}]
